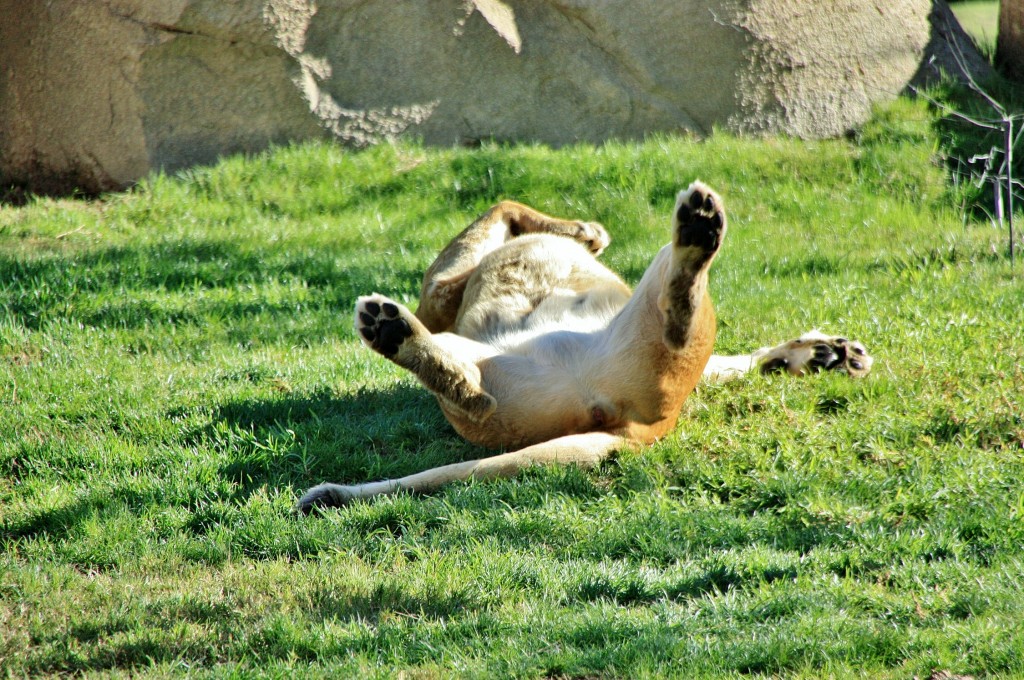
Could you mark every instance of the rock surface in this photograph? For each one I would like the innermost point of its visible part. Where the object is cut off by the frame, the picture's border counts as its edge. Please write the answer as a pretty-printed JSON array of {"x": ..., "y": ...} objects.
[{"x": 94, "y": 94}]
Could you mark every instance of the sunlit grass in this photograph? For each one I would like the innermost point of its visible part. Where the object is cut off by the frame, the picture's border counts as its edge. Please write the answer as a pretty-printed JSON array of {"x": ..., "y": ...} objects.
[
  {"x": 178, "y": 362},
  {"x": 980, "y": 18}
]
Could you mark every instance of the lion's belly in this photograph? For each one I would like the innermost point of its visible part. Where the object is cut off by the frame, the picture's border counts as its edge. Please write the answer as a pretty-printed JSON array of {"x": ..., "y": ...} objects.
[{"x": 561, "y": 311}]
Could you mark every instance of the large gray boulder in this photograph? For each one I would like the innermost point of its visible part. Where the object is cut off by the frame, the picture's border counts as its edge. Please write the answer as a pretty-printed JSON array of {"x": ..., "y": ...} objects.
[{"x": 94, "y": 94}]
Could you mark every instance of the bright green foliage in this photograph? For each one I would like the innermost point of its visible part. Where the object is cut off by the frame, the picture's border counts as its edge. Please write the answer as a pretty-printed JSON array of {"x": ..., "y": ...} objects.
[
  {"x": 177, "y": 363},
  {"x": 980, "y": 18}
]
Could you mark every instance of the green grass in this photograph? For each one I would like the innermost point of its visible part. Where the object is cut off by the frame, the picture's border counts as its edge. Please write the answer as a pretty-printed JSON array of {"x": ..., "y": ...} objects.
[
  {"x": 177, "y": 364},
  {"x": 980, "y": 18}
]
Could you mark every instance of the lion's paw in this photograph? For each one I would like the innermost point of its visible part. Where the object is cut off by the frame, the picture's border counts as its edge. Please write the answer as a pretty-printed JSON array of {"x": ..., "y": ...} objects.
[
  {"x": 700, "y": 221},
  {"x": 813, "y": 352},
  {"x": 325, "y": 496},
  {"x": 383, "y": 324},
  {"x": 593, "y": 236}
]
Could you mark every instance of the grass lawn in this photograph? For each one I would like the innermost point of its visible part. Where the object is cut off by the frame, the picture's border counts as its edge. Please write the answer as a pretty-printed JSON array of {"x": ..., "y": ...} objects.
[
  {"x": 980, "y": 18},
  {"x": 177, "y": 363}
]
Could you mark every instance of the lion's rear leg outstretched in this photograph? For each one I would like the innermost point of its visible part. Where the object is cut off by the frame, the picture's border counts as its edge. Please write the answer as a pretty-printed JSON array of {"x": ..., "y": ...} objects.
[
  {"x": 582, "y": 449},
  {"x": 580, "y": 396}
]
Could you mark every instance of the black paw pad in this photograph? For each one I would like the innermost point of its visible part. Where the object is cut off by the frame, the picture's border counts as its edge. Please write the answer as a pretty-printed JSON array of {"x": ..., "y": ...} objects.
[
  {"x": 826, "y": 357},
  {"x": 381, "y": 325},
  {"x": 854, "y": 358},
  {"x": 696, "y": 200},
  {"x": 774, "y": 365},
  {"x": 701, "y": 222},
  {"x": 391, "y": 334}
]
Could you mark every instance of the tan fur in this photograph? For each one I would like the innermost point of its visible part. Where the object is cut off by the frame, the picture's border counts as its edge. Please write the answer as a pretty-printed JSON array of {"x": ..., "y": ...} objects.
[{"x": 530, "y": 344}]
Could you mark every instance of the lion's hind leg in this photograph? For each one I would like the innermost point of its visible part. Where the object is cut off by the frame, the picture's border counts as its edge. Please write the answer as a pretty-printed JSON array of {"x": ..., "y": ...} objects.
[
  {"x": 585, "y": 450},
  {"x": 698, "y": 229},
  {"x": 443, "y": 362}
]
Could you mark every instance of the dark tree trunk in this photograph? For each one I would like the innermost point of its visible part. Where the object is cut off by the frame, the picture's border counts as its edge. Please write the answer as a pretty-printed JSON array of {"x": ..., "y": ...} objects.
[{"x": 1010, "y": 45}]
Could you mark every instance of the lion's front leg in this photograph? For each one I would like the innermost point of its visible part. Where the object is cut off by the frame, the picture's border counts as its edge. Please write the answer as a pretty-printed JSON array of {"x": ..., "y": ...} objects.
[
  {"x": 443, "y": 363},
  {"x": 812, "y": 352}
]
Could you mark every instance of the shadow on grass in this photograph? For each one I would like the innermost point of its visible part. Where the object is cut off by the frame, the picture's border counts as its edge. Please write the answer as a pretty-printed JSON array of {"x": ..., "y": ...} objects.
[
  {"x": 300, "y": 441},
  {"x": 630, "y": 590},
  {"x": 274, "y": 444},
  {"x": 91, "y": 286},
  {"x": 438, "y": 601},
  {"x": 968, "y": 145},
  {"x": 64, "y": 520}
]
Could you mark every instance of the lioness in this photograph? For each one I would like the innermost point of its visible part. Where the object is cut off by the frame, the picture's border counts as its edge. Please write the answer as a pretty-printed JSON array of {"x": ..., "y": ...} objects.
[{"x": 530, "y": 344}]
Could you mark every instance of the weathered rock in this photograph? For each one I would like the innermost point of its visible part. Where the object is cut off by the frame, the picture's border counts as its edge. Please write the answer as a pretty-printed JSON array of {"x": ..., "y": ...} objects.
[{"x": 96, "y": 93}]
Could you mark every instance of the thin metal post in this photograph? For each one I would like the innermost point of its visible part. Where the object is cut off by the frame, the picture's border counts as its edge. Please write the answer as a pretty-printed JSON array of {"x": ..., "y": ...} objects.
[{"x": 1008, "y": 141}]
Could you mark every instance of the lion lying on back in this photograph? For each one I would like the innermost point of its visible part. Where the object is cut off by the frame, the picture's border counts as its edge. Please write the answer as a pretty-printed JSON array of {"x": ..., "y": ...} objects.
[{"x": 530, "y": 344}]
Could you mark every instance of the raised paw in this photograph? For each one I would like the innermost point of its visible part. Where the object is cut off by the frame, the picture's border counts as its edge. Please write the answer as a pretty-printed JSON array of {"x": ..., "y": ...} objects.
[
  {"x": 593, "y": 236},
  {"x": 700, "y": 220},
  {"x": 813, "y": 352},
  {"x": 382, "y": 324}
]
